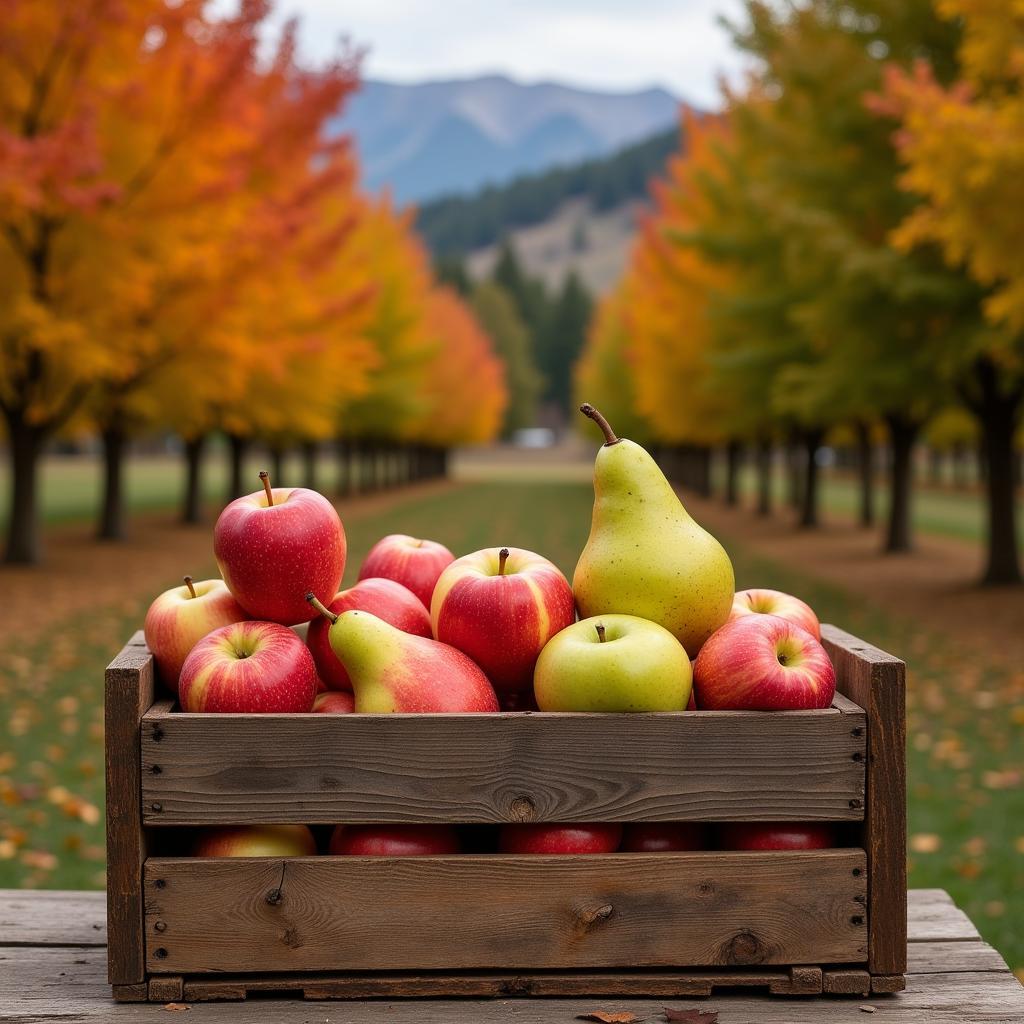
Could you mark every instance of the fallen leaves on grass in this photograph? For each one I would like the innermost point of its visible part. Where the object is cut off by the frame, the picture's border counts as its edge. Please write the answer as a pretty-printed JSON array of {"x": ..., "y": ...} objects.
[
  {"x": 925, "y": 842},
  {"x": 177, "y": 1007}
]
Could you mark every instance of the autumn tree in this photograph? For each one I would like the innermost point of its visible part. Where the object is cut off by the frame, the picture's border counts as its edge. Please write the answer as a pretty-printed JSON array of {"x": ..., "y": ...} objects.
[{"x": 961, "y": 145}]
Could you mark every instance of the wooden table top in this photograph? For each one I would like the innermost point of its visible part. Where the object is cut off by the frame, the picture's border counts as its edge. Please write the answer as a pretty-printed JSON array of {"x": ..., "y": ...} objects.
[{"x": 53, "y": 968}]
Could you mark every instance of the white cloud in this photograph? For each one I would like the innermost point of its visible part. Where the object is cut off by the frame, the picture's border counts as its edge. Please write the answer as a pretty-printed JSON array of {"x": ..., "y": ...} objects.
[{"x": 618, "y": 44}]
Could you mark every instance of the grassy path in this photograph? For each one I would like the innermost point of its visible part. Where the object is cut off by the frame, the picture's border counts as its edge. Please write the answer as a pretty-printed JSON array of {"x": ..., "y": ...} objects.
[{"x": 966, "y": 717}]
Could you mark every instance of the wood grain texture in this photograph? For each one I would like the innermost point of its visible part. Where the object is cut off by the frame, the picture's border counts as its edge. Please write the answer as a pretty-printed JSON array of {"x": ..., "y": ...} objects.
[
  {"x": 128, "y": 694},
  {"x": 876, "y": 681},
  {"x": 717, "y": 766},
  {"x": 52, "y": 917},
  {"x": 846, "y": 982},
  {"x": 932, "y": 916},
  {"x": 491, "y": 911},
  {"x": 166, "y": 989}
]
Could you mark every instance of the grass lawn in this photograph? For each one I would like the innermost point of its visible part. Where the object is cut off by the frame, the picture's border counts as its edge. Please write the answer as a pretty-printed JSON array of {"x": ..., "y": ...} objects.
[{"x": 966, "y": 724}]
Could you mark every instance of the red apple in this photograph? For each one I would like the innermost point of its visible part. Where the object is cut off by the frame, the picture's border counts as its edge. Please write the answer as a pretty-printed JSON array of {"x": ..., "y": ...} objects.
[
  {"x": 501, "y": 606},
  {"x": 255, "y": 841},
  {"x": 775, "y": 602},
  {"x": 180, "y": 617},
  {"x": 334, "y": 702},
  {"x": 560, "y": 838},
  {"x": 662, "y": 836},
  {"x": 384, "y": 598},
  {"x": 394, "y": 840},
  {"x": 276, "y": 545},
  {"x": 247, "y": 667},
  {"x": 413, "y": 562},
  {"x": 776, "y": 835},
  {"x": 763, "y": 663}
]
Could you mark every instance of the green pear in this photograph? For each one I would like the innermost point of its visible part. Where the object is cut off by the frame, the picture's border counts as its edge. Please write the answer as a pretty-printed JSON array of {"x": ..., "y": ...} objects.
[
  {"x": 645, "y": 555},
  {"x": 393, "y": 671}
]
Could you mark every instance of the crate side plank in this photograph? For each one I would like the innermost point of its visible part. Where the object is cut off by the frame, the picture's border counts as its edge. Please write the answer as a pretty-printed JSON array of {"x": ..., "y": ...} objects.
[
  {"x": 128, "y": 694},
  {"x": 250, "y": 769},
  {"x": 491, "y": 911},
  {"x": 877, "y": 682}
]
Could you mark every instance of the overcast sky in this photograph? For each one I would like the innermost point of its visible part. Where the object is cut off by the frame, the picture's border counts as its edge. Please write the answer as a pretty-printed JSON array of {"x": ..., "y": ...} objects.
[{"x": 616, "y": 44}]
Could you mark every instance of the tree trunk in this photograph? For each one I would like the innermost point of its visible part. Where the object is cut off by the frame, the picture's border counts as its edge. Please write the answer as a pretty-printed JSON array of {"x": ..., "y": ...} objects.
[
  {"x": 866, "y": 469},
  {"x": 733, "y": 455},
  {"x": 998, "y": 415},
  {"x": 809, "y": 488},
  {"x": 111, "y": 521},
  {"x": 702, "y": 470},
  {"x": 309, "y": 453},
  {"x": 764, "y": 478},
  {"x": 902, "y": 433},
  {"x": 192, "y": 507},
  {"x": 237, "y": 448},
  {"x": 794, "y": 481},
  {"x": 25, "y": 442},
  {"x": 277, "y": 466}
]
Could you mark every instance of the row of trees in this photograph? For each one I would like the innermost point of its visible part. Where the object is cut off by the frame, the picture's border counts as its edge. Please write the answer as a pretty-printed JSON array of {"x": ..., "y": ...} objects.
[
  {"x": 839, "y": 251},
  {"x": 183, "y": 246}
]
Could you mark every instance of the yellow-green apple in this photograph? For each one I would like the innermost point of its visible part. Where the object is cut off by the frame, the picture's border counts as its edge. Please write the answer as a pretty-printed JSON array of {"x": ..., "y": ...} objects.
[
  {"x": 384, "y": 598},
  {"x": 411, "y": 561},
  {"x": 274, "y": 545},
  {"x": 501, "y": 606},
  {"x": 776, "y": 835},
  {"x": 393, "y": 840},
  {"x": 763, "y": 663},
  {"x": 775, "y": 602},
  {"x": 334, "y": 702},
  {"x": 256, "y": 841},
  {"x": 248, "y": 667},
  {"x": 560, "y": 838},
  {"x": 392, "y": 671},
  {"x": 663, "y": 836},
  {"x": 180, "y": 617},
  {"x": 613, "y": 663}
]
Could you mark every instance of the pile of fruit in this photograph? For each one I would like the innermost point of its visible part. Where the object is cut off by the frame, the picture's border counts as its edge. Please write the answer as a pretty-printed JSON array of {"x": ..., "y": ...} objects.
[{"x": 660, "y": 629}]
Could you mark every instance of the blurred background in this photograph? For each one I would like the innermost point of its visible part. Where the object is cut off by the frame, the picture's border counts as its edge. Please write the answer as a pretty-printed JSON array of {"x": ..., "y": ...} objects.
[{"x": 382, "y": 249}]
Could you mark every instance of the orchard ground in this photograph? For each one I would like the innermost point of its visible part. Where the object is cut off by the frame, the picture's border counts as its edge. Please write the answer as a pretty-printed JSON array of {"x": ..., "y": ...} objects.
[{"x": 964, "y": 648}]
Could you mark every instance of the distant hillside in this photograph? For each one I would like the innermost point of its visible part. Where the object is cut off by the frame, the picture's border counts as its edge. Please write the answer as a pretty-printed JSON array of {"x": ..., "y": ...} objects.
[
  {"x": 437, "y": 138},
  {"x": 459, "y": 224}
]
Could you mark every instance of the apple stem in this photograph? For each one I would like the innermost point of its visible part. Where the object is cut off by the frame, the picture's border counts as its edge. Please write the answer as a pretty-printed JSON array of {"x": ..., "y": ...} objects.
[
  {"x": 265, "y": 477},
  {"x": 600, "y": 631},
  {"x": 609, "y": 435},
  {"x": 321, "y": 607},
  {"x": 502, "y": 559},
  {"x": 191, "y": 589}
]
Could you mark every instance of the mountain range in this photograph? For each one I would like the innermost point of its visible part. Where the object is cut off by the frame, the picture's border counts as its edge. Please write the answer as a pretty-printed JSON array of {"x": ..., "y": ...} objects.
[{"x": 440, "y": 138}]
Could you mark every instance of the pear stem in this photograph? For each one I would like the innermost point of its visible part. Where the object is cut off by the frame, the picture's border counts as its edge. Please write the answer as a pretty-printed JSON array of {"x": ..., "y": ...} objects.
[
  {"x": 321, "y": 607},
  {"x": 265, "y": 477},
  {"x": 191, "y": 589},
  {"x": 600, "y": 631},
  {"x": 502, "y": 559},
  {"x": 609, "y": 435}
]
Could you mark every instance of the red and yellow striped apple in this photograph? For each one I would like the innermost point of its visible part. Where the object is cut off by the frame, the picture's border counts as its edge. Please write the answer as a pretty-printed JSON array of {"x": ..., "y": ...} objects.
[
  {"x": 501, "y": 606},
  {"x": 763, "y": 663},
  {"x": 384, "y": 598},
  {"x": 334, "y": 702},
  {"x": 775, "y": 602},
  {"x": 180, "y": 617},
  {"x": 248, "y": 667},
  {"x": 274, "y": 546},
  {"x": 777, "y": 835},
  {"x": 394, "y": 840},
  {"x": 255, "y": 841},
  {"x": 411, "y": 561},
  {"x": 560, "y": 838}
]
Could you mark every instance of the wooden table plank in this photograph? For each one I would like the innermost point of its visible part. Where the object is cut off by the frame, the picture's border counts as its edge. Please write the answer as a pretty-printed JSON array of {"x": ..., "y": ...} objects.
[
  {"x": 953, "y": 978},
  {"x": 70, "y": 986}
]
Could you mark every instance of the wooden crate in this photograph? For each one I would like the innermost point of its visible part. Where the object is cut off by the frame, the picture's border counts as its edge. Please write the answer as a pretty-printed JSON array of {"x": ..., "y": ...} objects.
[{"x": 667, "y": 924}]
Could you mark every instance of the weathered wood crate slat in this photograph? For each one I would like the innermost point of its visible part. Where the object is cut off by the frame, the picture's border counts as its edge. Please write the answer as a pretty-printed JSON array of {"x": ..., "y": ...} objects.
[{"x": 673, "y": 924}]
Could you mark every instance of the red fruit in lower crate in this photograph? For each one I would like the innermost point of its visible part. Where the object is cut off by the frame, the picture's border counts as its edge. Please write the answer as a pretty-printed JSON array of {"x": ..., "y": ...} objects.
[
  {"x": 393, "y": 840},
  {"x": 777, "y": 835},
  {"x": 560, "y": 838},
  {"x": 664, "y": 836}
]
